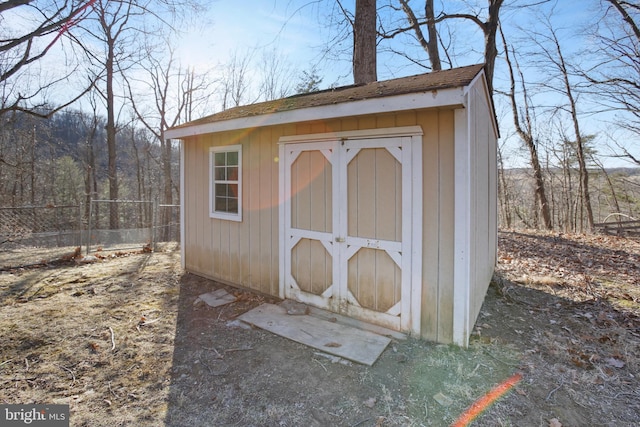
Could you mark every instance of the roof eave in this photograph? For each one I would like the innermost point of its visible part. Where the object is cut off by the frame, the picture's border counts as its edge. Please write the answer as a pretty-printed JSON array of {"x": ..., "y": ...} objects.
[{"x": 449, "y": 98}]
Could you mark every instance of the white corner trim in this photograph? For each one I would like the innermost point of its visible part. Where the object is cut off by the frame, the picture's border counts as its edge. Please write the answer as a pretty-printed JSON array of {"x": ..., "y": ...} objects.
[
  {"x": 416, "y": 242},
  {"x": 282, "y": 202},
  {"x": 182, "y": 213},
  {"x": 452, "y": 97},
  {"x": 462, "y": 229}
]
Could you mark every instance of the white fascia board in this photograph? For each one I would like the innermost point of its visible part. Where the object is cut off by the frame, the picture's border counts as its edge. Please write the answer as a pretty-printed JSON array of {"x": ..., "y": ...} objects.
[{"x": 418, "y": 100}]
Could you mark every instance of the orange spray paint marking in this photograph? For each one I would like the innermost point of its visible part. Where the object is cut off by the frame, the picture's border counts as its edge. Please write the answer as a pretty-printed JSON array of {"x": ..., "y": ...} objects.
[{"x": 487, "y": 400}]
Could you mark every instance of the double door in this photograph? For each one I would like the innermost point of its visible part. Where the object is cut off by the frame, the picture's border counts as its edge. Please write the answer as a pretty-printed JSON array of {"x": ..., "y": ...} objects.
[{"x": 348, "y": 214}]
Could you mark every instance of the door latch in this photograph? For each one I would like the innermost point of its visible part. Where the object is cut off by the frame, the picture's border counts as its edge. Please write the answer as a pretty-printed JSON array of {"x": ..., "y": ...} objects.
[{"x": 340, "y": 239}]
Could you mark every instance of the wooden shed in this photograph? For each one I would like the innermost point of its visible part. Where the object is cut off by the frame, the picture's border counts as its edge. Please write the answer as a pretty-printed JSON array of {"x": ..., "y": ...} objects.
[{"x": 375, "y": 201}]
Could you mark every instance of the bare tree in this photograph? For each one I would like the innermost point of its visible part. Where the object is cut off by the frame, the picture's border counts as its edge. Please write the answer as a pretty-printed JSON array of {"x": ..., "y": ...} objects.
[
  {"x": 234, "y": 83},
  {"x": 504, "y": 192},
  {"x": 173, "y": 93},
  {"x": 488, "y": 26},
  {"x": 559, "y": 80},
  {"x": 92, "y": 123},
  {"x": 616, "y": 75},
  {"x": 276, "y": 76},
  {"x": 525, "y": 129},
  {"x": 23, "y": 87},
  {"x": 119, "y": 28},
  {"x": 430, "y": 43}
]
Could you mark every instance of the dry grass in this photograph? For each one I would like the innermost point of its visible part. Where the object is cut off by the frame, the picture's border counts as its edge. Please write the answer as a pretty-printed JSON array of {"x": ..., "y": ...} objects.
[
  {"x": 98, "y": 337},
  {"x": 122, "y": 342}
]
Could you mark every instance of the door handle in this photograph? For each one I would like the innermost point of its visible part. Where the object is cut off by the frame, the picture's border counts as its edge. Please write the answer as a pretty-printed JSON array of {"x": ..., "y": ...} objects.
[{"x": 340, "y": 239}]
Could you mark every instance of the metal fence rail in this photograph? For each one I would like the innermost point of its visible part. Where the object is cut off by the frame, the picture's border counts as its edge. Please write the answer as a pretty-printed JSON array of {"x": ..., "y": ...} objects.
[
  {"x": 50, "y": 226},
  {"x": 135, "y": 219},
  {"x": 35, "y": 234}
]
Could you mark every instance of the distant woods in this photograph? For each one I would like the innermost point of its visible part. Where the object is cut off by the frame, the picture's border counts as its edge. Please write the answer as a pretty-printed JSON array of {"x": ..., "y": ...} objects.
[
  {"x": 64, "y": 161},
  {"x": 566, "y": 97}
]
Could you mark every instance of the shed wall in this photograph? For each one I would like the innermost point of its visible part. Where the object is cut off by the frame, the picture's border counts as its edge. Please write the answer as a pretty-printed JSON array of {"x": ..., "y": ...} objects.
[
  {"x": 246, "y": 253},
  {"x": 483, "y": 140}
]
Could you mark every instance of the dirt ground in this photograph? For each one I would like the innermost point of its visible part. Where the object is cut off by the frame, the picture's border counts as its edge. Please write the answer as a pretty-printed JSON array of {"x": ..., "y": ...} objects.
[{"x": 121, "y": 341}]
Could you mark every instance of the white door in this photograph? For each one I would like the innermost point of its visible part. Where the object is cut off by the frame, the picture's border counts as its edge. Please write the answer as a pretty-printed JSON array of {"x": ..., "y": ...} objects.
[{"x": 348, "y": 214}]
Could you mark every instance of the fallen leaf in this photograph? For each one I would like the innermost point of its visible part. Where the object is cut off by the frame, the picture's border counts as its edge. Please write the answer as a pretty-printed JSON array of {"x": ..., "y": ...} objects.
[{"x": 333, "y": 344}]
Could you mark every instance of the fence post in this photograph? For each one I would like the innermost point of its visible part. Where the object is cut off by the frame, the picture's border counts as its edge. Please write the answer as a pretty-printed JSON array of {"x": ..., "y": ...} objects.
[
  {"x": 89, "y": 225},
  {"x": 154, "y": 219},
  {"x": 79, "y": 241}
]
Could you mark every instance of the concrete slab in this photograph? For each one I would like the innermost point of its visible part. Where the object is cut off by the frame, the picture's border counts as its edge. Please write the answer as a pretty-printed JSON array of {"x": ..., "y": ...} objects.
[
  {"x": 216, "y": 298},
  {"x": 330, "y": 337}
]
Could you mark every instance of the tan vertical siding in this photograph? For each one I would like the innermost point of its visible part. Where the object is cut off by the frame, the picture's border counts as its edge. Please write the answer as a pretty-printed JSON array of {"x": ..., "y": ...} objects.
[
  {"x": 374, "y": 279},
  {"x": 430, "y": 228},
  {"x": 267, "y": 215},
  {"x": 242, "y": 253},
  {"x": 446, "y": 191},
  {"x": 483, "y": 140},
  {"x": 374, "y": 209},
  {"x": 311, "y": 190},
  {"x": 374, "y": 180},
  {"x": 311, "y": 209},
  {"x": 246, "y": 253},
  {"x": 386, "y": 121}
]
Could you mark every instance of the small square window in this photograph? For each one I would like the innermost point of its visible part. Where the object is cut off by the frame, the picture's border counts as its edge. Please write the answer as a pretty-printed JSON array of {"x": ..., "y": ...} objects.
[{"x": 225, "y": 175}]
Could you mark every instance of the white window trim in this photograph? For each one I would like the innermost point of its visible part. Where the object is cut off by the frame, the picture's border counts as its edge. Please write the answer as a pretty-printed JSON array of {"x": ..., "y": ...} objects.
[{"x": 212, "y": 212}]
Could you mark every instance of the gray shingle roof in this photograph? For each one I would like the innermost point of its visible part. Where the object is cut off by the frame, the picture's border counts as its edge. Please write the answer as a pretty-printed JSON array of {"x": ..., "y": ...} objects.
[{"x": 437, "y": 80}]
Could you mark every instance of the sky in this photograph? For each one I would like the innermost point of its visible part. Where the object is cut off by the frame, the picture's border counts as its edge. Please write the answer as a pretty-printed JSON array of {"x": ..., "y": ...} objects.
[
  {"x": 288, "y": 26},
  {"x": 299, "y": 29}
]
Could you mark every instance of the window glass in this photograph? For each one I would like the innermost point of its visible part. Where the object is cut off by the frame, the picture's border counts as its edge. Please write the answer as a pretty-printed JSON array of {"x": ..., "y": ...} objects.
[{"x": 226, "y": 186}]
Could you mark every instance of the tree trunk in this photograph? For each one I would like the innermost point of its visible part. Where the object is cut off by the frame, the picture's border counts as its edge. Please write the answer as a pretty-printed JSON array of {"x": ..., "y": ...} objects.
[
  {"x": 582, "y": 163},
  {"x": 490, "y": 32},
  {"x": 114, "y": 222},
  {"x": 526, "y": 135},
  {"x": 503, "y": 192},
  {"x": 364, "y": 42},
  {"x": 168, "y": 188}
]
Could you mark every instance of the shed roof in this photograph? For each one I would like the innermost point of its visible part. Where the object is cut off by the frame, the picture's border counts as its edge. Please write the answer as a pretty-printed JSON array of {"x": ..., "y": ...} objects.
[{"x": 422, "y": 83}]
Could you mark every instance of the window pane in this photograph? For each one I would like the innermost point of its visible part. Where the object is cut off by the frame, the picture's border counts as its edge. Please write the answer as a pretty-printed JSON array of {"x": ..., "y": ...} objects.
[
  {"x": 226, "y": 175},
  {"x": 232, "y": 205},
  {"x": 232, "y": 173},
  {"x": 232, "y": 158},
  {"x": 221, "y": 174},
  {"x": 222, "y": 190},
  {"x": 221, "y": 204},
  {"x": 220, "y": 159}
]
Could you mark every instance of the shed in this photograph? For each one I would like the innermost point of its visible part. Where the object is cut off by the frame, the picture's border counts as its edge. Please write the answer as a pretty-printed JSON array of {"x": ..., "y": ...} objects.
[{"x": 374, "y": 201}]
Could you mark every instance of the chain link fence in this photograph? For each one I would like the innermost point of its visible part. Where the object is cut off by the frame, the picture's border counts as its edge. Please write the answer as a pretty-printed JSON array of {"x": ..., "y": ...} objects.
[
  {"x": 140, "y": 224},
  {"x": 38, "y": 234},
  {"x": 34, "y": 234},
  {"x": 120, "y": 225}
]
